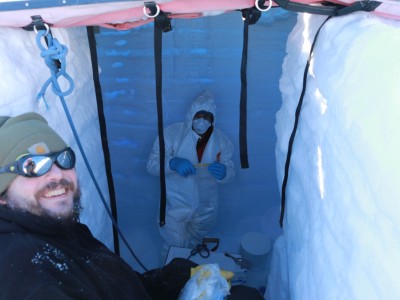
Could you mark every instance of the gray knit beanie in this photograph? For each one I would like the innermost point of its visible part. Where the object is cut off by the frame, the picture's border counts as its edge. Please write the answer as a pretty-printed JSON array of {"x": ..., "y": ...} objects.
[{"x": 28, "y": 133}]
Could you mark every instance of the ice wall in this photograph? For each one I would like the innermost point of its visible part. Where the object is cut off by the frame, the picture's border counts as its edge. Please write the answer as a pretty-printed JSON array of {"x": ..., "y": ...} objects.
[
  {"x": 341, "y": 225},
  {"x": 23, "y": 74}
]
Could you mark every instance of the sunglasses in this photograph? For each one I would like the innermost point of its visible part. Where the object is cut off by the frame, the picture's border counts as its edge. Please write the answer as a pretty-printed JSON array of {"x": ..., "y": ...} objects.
[{"x": 38, "y": 165}]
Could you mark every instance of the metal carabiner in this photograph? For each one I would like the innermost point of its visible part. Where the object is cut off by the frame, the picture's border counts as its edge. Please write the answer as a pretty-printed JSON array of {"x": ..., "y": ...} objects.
[
  {"x": 266, "y": 9},
  {"x": 46, "y": 26},
  {"x": 151, "y": 6}
]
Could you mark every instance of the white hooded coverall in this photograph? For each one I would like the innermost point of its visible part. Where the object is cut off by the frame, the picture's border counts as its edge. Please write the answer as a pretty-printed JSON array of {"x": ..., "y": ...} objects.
[{"x": 192, "y": 201}]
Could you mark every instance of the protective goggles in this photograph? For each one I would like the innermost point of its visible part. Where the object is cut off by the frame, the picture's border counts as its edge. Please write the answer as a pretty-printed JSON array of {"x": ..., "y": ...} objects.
[{"x": 38, "y": 165}]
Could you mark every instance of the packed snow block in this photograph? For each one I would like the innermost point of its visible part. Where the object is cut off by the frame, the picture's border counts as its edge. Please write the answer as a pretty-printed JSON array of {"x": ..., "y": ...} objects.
[
  {"x": 277, "y": 285},
  {"x": 341, "y": 223}
]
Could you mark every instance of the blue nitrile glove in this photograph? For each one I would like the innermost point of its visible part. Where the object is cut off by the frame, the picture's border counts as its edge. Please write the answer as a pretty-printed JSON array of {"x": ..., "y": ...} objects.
[
  {"x": 182, "y": 166},
  {"x": 217, "y": 170}
]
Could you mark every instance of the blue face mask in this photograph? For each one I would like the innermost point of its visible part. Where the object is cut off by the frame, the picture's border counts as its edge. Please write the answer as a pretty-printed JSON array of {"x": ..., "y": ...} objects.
[{"x": 201, "y": 125}]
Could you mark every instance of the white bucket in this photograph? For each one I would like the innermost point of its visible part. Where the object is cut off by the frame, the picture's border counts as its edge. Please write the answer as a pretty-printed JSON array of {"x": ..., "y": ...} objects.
[{"x": 255, "y": 248}]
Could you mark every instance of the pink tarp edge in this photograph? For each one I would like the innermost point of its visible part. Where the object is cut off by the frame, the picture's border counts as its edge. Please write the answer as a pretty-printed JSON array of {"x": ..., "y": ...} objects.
[
  {"x": 114, "y": 13},
  {"x": 125, "y": 15}
]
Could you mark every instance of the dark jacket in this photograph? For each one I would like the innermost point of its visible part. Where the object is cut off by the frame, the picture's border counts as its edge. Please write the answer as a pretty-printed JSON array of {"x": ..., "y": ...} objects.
[{"x": 43, "y": 259}]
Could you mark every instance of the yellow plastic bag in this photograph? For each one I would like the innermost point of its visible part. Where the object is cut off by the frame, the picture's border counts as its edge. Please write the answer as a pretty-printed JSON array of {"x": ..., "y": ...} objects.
[{"x": 208, "y": 282}]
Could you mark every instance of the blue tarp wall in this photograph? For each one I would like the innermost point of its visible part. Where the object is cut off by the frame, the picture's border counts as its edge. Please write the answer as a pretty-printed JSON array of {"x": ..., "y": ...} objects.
[{"x": 197, "y": 54}]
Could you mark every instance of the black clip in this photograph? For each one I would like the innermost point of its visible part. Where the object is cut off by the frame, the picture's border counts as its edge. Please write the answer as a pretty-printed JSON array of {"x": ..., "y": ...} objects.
[
  {"x": 164, "y": 22},
  {"x": 36, "y": 24},
  {"x": 251, "y": 15},
  {"x": 161, "y": 18}
]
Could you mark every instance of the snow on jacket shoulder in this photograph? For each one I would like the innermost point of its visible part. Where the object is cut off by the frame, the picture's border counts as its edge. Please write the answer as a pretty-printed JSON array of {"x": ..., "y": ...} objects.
[{"x": 45, "y": 260}]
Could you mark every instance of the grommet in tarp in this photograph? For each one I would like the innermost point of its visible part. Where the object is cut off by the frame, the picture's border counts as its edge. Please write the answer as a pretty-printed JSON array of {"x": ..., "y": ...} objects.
[
  {"x": 153, "y": 7},
  {"x": 263, "y": 9}
]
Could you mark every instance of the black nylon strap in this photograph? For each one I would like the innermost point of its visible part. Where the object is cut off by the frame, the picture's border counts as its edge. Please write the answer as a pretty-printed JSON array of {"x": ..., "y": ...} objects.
[
  {"x": 328, "y": 10},
  {"x": 244, "y": 161},
  {"x": 103, "y": 131},
  {"x": 296, "y": 122},
  {"x": 209, "y": 240},
  {"x": 250, "y": 16},
  {"x": 162, "y": 20},
  {"x": 158, "y": 71},
  {"x": 359, "y": 6},
  {"x": 161, "y": 24}
]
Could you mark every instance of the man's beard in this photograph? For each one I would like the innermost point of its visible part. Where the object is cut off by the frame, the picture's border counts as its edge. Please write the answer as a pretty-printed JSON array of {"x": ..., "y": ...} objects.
[{"x": 68, "y": 217}]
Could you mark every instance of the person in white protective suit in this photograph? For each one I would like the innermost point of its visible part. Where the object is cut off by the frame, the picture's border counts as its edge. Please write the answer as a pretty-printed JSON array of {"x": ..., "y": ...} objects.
[{"x": 198, "y": 157}]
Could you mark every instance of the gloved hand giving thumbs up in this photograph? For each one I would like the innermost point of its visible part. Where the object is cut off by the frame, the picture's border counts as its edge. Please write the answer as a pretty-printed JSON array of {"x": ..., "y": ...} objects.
[
  {"x": 217, "y": 170},
  {"x": 182, "y": 166}
]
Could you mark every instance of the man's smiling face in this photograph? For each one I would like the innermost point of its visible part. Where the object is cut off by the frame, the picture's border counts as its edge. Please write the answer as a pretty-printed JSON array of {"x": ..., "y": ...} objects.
[{"x": 55, "y": 194}]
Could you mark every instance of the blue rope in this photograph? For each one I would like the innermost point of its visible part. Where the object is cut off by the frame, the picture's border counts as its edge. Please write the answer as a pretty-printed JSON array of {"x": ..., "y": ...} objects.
[{"x": 55, "y": 52}]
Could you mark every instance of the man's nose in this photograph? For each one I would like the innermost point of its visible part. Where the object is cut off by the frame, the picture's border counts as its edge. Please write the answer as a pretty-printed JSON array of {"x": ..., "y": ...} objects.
[{"x": 54, "y": 172}]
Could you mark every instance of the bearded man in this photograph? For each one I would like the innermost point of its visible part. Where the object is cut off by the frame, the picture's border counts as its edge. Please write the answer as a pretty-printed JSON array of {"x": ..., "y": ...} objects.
[{"x": 46, "y": 253}]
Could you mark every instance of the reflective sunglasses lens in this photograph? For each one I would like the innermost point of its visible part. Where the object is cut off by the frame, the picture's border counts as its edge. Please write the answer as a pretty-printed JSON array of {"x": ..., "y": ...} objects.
[
  {"x": 66, "y": 159},
  {"x": 36, "y": 166}
]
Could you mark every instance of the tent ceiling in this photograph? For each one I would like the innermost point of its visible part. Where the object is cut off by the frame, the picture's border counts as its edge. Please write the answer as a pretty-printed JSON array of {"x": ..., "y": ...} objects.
[{"x": 128, "y": 14}]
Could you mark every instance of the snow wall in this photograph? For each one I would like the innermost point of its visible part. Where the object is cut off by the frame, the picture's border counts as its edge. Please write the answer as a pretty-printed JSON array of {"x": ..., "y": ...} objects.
[{"x": 341, "y": 229}]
